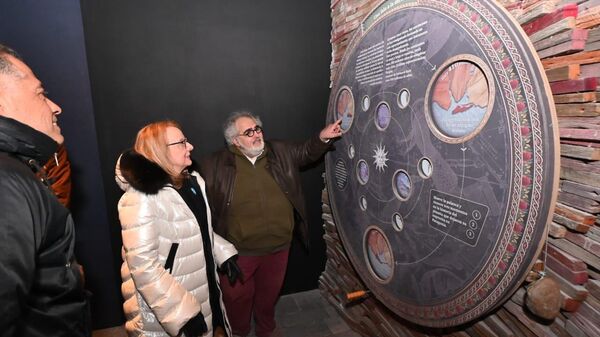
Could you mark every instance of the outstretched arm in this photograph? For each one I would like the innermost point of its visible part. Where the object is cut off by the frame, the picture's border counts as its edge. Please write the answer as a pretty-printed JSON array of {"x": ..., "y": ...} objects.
[
  {"x": 313, "y": 148},
  {"x": 331, "y": 131}
]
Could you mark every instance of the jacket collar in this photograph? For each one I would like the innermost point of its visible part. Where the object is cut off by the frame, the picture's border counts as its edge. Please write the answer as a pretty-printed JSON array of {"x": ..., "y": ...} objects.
[
  {"x": 25, "y": 142},
  {"x": 135, "y": 170}
]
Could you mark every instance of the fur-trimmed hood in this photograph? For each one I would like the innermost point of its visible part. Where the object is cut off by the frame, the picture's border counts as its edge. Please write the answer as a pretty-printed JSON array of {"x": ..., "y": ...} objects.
[{"x": 135, "y": 170}]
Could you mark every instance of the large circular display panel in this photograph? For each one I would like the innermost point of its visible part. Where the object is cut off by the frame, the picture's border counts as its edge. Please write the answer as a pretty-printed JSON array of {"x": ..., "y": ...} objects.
[{"x": 450, "y": 163}]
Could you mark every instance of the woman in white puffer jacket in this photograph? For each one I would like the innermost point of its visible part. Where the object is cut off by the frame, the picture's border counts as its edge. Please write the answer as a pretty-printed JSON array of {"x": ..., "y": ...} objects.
[{"x": 170, "y": 253}]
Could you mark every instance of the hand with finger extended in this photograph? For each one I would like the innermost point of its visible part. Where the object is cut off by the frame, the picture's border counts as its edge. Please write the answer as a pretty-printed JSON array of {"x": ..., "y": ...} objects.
[{"x": 331, "y": 131}]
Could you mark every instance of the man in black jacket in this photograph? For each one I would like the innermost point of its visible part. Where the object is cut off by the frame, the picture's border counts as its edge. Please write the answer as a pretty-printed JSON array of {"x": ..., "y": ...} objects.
[
  {"x": 41, "y": 292},
  {"x": 257, "y": 203}
]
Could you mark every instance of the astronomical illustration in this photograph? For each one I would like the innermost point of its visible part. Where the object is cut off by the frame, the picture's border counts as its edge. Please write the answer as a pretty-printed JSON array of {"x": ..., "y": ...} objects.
[
  {"x": 366, "y": 103},
  {"x": 362, "y": 172},
  {"x": 362, "y": 202},
  {"x": 397, "y": 222},
  {"x": 446, "y": 174},
  {"x": 402, "y": 185},
  {"x": 459, "y": 99},
  {"x": 425, "y": 168},
  {"x": 403, "y": 98},
  {"x": 379, "y": 254},
  {"x": 345, "y": 108},
  {"x": 383, "y": 116}
]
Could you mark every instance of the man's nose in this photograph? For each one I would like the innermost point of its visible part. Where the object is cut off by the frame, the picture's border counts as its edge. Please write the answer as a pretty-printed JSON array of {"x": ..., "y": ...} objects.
[{"x": 56, "y": 109}]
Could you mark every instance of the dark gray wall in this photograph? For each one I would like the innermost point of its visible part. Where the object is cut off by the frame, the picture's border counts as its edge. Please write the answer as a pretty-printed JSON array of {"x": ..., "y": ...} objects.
[
  {"x": 196, "y": 61},
  {"x": 49, "y": 36}
]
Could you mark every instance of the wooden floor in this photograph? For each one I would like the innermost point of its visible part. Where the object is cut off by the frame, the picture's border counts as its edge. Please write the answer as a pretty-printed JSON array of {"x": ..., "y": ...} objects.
[{"x": 304, "y": 314}]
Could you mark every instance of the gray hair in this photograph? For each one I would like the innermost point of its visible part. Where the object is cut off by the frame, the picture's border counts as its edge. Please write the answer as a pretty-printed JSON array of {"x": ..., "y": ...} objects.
[
  {"x": 6, "y": 67},
  {"x": 229, "y": 129}
]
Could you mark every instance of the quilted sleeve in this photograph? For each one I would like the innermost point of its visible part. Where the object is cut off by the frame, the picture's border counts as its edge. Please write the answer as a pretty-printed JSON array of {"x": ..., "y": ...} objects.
[{"x": 223, "y": 249}]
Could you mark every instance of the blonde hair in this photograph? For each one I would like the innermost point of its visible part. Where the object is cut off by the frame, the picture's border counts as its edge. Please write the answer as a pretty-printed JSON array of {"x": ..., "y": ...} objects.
[{"x": 151, "y": 143}]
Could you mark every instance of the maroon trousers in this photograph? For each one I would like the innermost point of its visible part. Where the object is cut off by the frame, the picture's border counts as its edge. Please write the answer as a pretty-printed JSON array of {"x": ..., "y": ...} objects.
[{"x": 263, "y": 279}]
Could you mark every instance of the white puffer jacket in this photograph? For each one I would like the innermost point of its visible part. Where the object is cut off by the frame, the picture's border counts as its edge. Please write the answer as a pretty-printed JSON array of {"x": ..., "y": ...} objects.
[{"x": 154, "y": 216}]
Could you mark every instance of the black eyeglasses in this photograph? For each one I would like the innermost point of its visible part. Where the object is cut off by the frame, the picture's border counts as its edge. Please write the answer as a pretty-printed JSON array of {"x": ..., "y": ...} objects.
[
  {"x": 181, "y": 142},
  {"x": 250, "y": 132}
]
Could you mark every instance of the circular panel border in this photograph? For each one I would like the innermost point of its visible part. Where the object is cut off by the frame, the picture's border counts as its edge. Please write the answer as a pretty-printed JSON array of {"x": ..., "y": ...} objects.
[{"x": 533, "y": 176}]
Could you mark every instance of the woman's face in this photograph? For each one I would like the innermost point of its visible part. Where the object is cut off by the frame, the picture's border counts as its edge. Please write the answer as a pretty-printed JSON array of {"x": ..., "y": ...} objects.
[{"x": 178, "y": 149}]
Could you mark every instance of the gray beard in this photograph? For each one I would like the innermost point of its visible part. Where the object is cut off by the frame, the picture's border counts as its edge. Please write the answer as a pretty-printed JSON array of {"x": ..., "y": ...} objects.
[{"x": 252, "y": 152}]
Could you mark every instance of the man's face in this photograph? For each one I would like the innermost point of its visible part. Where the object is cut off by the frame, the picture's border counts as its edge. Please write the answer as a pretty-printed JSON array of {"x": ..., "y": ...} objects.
[
  {"x": 23, "y": 98},
  {"x": 250, "y": 146}
]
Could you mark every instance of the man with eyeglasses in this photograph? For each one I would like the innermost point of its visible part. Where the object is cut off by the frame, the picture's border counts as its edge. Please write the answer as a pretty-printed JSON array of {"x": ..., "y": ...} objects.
[{"x": 257, "y": 203}]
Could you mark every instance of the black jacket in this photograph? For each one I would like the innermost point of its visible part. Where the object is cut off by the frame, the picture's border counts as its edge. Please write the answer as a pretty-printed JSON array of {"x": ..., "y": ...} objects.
[
  {"x": 284, "y": 160},
  {"x": 41, "y": 291}
]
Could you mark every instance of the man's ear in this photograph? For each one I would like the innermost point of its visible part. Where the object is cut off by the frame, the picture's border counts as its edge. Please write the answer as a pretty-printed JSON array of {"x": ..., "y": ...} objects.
[{"x": 235, "y": 142}]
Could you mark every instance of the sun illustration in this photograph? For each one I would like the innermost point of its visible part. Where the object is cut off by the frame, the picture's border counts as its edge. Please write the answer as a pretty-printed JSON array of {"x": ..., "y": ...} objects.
[{"x": 380, "y": 158}]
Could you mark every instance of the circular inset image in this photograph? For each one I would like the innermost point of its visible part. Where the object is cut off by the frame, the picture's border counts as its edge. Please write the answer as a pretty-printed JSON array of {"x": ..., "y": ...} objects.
[
  {"x": 402, "y": 184},
  {"x": 378, "y": 254},
  {"x": 366, "y": 103},
  {"x": 345, "y": 108},
  {"x": 362, "y": 171},
  {"x": 341, "y": 174},
  {"x": 425, "y": 168},
  {"x": 351, "y": 151},
  {"x": 383, "y": 116},
  {"x": 460, "y": 99},
  {"x": 403, "y": 98},
  {"x": 397, "y": 222},
  {"x": 362, "y": 201}
]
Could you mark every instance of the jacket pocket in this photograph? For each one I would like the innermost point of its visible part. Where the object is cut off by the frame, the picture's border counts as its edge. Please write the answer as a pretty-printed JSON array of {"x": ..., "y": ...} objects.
[{"x": 171, "y": 257}]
